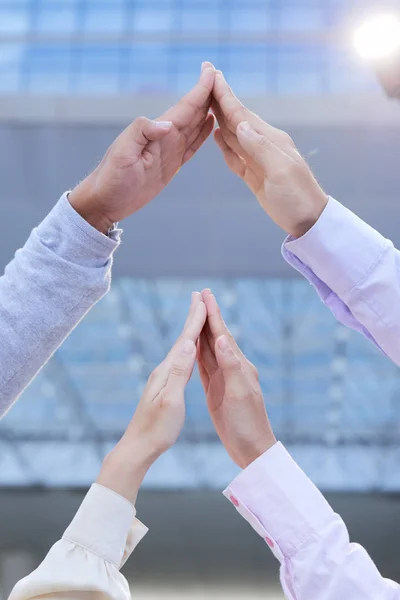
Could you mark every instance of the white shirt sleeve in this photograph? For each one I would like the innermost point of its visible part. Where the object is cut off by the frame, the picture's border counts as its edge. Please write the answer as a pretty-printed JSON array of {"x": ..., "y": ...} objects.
[
  {"x": 311, "y": 542},
  {"x": 88, "y": 558}
]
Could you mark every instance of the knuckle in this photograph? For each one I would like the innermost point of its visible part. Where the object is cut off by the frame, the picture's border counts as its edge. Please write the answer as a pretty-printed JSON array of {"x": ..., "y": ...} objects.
[
  {"x": 264, "y": 144},
  {"x": 139, "y": 122},
  {"x": 253, "y": 371},
  {"x": 178, "y": 370},
  {"x": 288, "y": 169},
  {"x": 285, "y": 138},
  {"x": 155, "y": 374}
]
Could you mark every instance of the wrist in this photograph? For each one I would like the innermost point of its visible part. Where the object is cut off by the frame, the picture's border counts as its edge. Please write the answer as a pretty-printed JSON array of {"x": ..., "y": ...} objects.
[
  {"x": 123, "y": 471},
  {"x": 309, "y": 217},
  {"x": 84, "y": 203},
  {"x": 258, "y": 451}
]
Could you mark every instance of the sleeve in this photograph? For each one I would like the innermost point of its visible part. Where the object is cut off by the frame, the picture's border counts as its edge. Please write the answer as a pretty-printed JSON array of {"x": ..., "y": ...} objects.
[
  {"x": 311, "y": 542},
  {"x": 86, "y": 562},
  {"x": 356, "y": 272},
  {"x": 63, "y": 269}
]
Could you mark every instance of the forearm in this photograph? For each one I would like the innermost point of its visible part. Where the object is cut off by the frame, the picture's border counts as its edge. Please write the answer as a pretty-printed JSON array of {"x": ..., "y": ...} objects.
[
  {"x": 63, "y": 269},
  {"x": 356, "y": 272},
  {"x": 88, "y": 558},
  {"x": 318, "y": 562}
]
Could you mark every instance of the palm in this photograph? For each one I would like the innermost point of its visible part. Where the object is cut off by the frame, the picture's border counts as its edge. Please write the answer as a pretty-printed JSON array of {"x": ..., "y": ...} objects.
[
  {"x": 144, "y": 158},
  {"x": 137, "y": 180},
  {"x": 220, "y": 410}
]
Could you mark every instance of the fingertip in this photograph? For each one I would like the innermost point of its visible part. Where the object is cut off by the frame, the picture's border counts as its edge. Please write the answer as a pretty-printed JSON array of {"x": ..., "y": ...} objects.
[{"x": 207, "y": 65}]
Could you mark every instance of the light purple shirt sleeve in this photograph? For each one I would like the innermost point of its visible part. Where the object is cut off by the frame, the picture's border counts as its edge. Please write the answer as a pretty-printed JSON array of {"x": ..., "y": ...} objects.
[
  {"x": 356, "y": 272},
  {"x": 311, "y": 542}
]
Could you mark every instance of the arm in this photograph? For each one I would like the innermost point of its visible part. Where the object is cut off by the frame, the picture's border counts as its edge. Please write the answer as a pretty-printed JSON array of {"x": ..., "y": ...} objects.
[
  {"x": 310, "y": 541},
  {"x": 272, "y": 493},
  {"x": 356, "y": 274},
  {"x": 354, "y": 269},
  {"x": 65, "y": 265},
  {"x": 63, "y": 269},
  {"x": 88, "y": 558}
]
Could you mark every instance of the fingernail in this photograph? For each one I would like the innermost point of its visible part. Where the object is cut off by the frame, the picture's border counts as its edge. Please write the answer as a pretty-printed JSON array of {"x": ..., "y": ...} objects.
[
  {"x": 245, "y": 127},
  {"x": 188, "y": 347},
  {"x": 207, "y": 65},
  {"x": 164, "y": 124},
  {"x": 223, "y": 344}
]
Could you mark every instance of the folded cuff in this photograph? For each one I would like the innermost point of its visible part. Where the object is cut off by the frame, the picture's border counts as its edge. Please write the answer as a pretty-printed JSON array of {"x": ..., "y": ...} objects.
[
  {"x": 105, "y": 525},
  {"x": 339, "y": 250},
  {"x": 74, "y": 239},
  {"x": 279, "y": 501}
]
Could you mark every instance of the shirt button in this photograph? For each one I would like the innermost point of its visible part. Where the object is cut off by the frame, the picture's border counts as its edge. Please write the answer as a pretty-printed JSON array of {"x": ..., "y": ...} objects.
[
  {"x": 269, "y": 542},
  {"x": 234, "y": 501}
]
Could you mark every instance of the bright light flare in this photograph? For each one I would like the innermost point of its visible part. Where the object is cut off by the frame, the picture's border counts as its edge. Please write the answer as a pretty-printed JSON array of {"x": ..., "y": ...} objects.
[{"x": 378, "y": 38}]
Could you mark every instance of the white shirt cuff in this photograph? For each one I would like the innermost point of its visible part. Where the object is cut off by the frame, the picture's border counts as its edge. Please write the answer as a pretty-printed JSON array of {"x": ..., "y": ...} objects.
[
  {"x": 279, "y": 501},
  {"x": 105, "y": 525}
]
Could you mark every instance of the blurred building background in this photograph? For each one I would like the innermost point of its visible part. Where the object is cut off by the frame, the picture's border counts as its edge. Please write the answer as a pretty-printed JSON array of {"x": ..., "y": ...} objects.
[{"x": 73, "y": 73}]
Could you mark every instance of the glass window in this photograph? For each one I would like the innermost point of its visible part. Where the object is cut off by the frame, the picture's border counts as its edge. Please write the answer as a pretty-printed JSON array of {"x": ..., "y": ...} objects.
[
  {"x": 200, "y": 20},
  {"x": 11, "y": 57},
  {"x": 306, "y": 19},
  {"x": 99, "y": 70},
  {"x": 347, "y": 74},
  {"x": 248, "y": 21},
  {"x": 149, "y": 68},
  {"x": 14, "y": 20},
  {"x": 56, "y": 19},
  {"x": 301, "y": 64},
  {"x": 147, "y": 20},
  {"x": 102, "y": 18},
  {"x": 49, "y": 69}
]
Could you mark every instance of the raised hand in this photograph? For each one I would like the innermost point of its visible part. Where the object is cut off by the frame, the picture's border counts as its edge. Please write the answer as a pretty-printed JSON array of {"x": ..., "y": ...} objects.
[
  {"x": 268, "y": 162},
  {"x": 234, "y": 396},
  {"x": 160, "y": 415},
  {"x": 145, "y": 157}
]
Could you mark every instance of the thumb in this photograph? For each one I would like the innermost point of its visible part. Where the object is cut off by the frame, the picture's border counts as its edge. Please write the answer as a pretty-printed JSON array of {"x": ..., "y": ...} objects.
[
  {"x": 227, "y": 359},
  {"x": 145, "y": 130},
  {"x": 259, "y": 147},
  {"x": 182, "y": 365}
]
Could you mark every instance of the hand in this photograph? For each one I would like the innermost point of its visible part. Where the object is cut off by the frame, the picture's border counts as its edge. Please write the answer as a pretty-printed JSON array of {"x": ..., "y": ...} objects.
[
  {"x": 160, "y": 415},
  {"x": 234, "y": 396},
  {"x": 145, "y": 157},
  {"x": 268, "y": 162}
]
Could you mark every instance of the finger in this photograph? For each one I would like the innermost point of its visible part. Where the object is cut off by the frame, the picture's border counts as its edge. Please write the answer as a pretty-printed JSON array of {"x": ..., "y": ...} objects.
[
  {"x": 226, "y": 356},
  {"x": 229, "y": 362},
  {"x": 207, "y": 354},
  {"x": 201, "y": 138},
  {"x": 228, "y": 136},
  {"x": 182, "y": 365},
  {"x": 143, "y": 130},
  {"x": 189, "y": 111},
  {"x": 205, "y": 379},
  {"x": 261, "y": 149},
  {"x": 215, "y": 320},
  {"x": 235, "y": 162},
  {"x": 195, "y": 324},
  {"x": 232, "y": 109},
  {"x": 195, "y": 300},
  {"x": 177, "y": 361}
]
